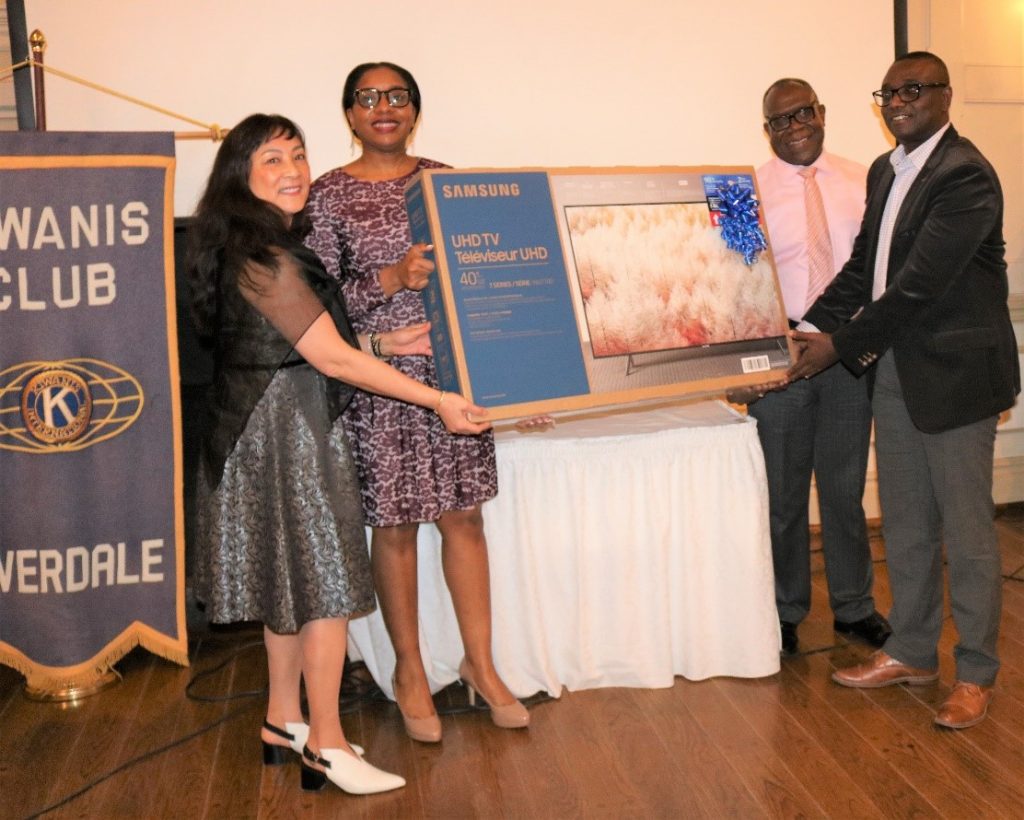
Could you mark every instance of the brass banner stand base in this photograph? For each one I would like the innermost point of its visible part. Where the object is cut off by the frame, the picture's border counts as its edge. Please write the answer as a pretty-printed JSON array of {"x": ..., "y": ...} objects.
[{"x": 72, "y": 694}]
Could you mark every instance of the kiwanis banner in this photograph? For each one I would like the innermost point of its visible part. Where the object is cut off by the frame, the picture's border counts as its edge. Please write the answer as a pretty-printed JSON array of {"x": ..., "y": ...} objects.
[{"x": 91, "y": 521}]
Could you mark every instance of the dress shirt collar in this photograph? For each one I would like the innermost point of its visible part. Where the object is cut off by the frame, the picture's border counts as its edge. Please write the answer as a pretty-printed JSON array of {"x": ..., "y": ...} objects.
[
  {"x": 902, "y": 161},
  {"x": 822, "y": 163}
]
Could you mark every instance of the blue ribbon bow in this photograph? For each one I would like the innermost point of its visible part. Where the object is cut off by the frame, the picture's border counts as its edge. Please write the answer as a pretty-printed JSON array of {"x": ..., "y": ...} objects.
[{"x": 738, "y": 221}]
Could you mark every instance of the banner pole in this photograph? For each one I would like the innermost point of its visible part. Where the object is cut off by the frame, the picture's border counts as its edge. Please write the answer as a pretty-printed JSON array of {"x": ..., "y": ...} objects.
[{"x": 37, "y": 40}]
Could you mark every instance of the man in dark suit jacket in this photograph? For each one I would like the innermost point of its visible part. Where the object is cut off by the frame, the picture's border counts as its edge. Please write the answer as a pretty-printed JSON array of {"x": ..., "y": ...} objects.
[{"x": 922, "y": 304}]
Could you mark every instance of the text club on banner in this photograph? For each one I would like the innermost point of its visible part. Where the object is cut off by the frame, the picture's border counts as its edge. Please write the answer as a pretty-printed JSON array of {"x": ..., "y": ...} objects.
[{"x": 91, "y": 516}]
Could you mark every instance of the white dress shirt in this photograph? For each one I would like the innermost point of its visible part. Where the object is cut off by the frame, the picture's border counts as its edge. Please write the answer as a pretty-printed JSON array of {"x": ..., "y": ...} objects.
[{"x": 907, "y": 167}]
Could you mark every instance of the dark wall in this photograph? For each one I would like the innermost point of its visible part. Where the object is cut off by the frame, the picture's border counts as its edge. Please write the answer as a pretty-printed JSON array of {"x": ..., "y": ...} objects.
[
  {"x": 196, "y": 368},
  {"x": 17, "y": 32},
  {"x": 196, "y": 363}
]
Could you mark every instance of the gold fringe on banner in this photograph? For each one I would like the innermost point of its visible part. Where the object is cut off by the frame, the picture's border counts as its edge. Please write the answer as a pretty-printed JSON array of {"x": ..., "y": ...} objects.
[{"x": 85, "y": 674}]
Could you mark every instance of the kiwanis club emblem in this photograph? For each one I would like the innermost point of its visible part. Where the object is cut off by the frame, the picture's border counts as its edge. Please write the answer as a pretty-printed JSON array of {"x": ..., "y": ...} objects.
[
  {"x": 56, "y": 406},
  {"x": 64, "y": 406}
]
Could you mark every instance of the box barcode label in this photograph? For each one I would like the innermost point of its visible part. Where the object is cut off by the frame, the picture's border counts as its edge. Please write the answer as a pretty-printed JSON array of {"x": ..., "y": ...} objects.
[{"x": 755, "y": 364}]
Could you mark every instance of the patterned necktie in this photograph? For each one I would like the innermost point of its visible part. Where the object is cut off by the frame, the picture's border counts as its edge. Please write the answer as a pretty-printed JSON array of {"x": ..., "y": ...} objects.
[{"x": 819, "y": 247}]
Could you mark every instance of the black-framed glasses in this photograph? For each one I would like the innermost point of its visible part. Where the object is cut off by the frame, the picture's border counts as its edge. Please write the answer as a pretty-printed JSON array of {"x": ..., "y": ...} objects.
[
  {"x": 907, "y": 93},
  {"x": 396, "y": 97},
  {"x": 801, "y": 115}
]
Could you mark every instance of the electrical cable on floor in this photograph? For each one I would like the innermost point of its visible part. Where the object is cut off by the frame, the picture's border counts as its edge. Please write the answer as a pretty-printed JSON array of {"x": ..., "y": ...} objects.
[
  {"x": 358, "y": 690},
  {"x": 198, "y": 676},
  {"x": 179, "y": 741},
  {"x": 140, "y": 759},
  {"x": 1016, "y": 575}
]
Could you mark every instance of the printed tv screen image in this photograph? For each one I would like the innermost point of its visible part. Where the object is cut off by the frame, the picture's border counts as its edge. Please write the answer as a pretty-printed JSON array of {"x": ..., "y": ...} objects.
[{"x": 658, "y": 276}]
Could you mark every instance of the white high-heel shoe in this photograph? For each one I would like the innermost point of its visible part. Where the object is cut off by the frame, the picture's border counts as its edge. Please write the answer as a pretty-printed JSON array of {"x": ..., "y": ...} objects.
[
  {"x": 349, "y": 773},
  {"x": 296, "y": 734},
  {"x": 299, "y": 733}
]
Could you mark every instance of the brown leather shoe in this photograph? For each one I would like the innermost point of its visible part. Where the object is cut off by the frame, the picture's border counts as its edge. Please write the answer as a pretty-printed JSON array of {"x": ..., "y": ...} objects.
[
  {"x": 965, "y": 706},
  {"x": 882, "y": 670}
]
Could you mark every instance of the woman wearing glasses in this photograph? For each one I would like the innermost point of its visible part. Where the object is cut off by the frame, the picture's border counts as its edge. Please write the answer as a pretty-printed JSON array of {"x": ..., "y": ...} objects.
[{"x": 411, "y": 469}]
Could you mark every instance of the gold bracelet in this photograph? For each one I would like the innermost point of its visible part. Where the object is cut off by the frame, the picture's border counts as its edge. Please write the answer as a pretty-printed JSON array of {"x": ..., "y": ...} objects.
[{"x": 440, "y": 399}]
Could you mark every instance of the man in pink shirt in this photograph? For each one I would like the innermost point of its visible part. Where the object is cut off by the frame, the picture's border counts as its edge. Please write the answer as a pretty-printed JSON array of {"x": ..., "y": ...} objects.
[{"x": 819, "y": 426}]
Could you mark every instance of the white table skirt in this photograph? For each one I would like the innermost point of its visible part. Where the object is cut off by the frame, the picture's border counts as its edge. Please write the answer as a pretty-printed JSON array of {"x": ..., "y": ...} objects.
[{"x": 624, "y": 550}]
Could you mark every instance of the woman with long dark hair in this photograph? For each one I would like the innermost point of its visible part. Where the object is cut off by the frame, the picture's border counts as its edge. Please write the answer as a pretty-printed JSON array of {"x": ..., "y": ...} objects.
[{"x": 281, "y": 534}]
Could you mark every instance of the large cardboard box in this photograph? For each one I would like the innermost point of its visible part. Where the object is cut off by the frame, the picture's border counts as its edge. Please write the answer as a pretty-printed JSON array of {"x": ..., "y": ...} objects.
[{"x": 573, "y": 288}]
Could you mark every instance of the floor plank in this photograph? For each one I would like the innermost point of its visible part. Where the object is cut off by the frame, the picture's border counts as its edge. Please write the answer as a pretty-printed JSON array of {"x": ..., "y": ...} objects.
[
  {"x": 762, "y": 767},
  {"x": 696, "y": 763},
  {"x": 781, "y": 717}
]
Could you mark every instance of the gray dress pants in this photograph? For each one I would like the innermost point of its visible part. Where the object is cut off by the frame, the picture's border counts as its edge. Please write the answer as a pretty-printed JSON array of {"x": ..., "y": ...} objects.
[
  {"x": 822, "y": 426},
  {"x": 936, "y": 488}
]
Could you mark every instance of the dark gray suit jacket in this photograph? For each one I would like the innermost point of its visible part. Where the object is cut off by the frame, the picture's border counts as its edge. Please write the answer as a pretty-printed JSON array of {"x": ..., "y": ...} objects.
[{"x": 944, "y": 311}]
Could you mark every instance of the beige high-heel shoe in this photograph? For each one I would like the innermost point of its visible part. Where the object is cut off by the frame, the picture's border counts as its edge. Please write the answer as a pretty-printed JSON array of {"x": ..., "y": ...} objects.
[
  {"x": 509, "y": 716},
  {"x": 424, "y": 729}
]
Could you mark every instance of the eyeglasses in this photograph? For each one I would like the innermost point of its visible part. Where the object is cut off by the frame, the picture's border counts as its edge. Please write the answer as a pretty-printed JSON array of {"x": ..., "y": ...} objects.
[
  {"x": 907, "y": 93},
  {"x": 369, "y": 97},
  {"x": 801, "y": 115}
]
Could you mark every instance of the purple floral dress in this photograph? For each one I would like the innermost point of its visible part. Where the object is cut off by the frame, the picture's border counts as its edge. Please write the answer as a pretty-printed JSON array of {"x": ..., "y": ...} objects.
[{"x": 411, "y": 468}]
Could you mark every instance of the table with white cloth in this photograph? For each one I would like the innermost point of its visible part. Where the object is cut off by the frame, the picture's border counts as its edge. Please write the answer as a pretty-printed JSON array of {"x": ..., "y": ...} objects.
[{"x": 625, "y": 549}]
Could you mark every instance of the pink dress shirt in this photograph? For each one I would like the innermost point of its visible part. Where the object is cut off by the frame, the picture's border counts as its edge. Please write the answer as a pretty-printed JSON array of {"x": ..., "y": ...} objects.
[{"x": 843, "y": 184}]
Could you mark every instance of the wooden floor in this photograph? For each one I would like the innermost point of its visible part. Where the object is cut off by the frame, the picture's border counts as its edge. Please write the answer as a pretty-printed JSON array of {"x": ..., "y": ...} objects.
[{"x": 794, "y": 745}]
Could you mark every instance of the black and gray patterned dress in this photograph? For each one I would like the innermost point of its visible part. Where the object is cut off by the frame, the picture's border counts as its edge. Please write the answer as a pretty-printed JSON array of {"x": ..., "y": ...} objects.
[
  {"x": 280, "y": 529},
  {"x": 411, "y": 468}
]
